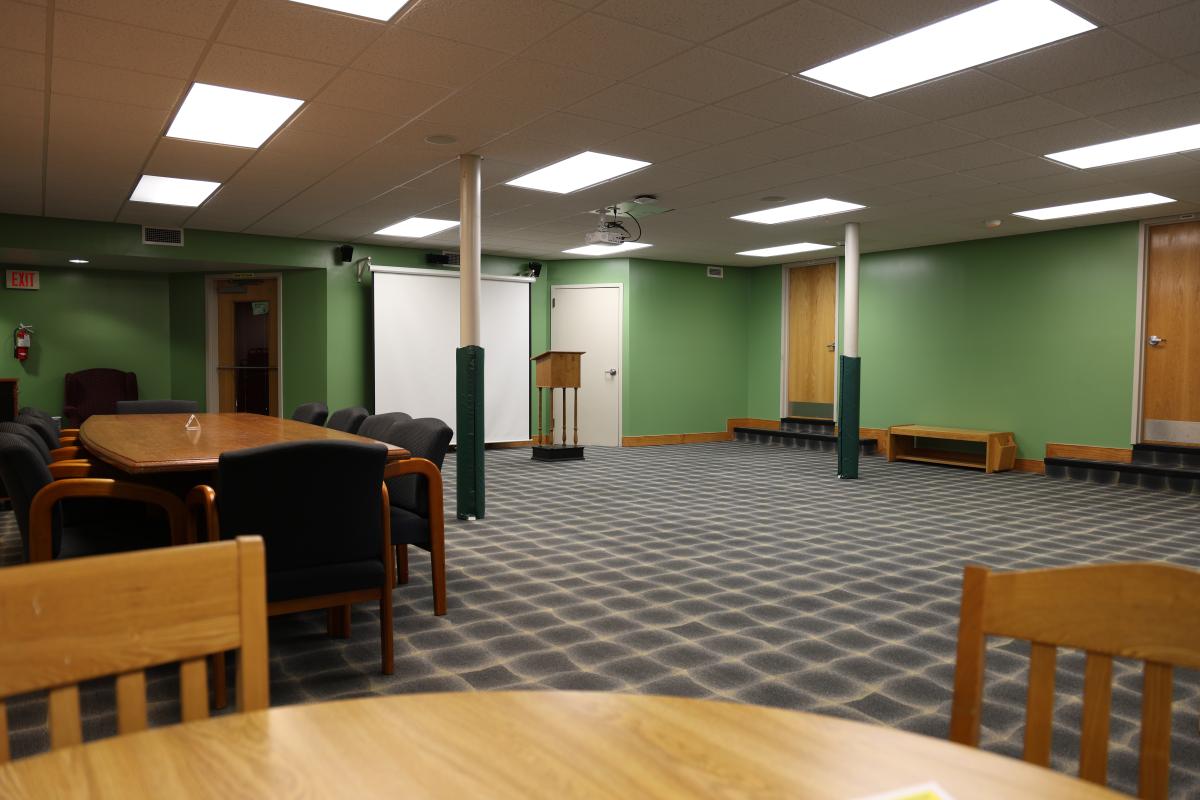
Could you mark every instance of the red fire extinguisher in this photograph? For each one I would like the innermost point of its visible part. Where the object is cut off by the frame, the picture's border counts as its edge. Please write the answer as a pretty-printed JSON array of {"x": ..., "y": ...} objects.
[{"x": 22, "y": 341}]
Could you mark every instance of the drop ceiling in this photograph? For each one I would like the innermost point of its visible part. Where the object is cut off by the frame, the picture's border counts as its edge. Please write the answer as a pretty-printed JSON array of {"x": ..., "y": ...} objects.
[{"x": 704, "y": 89}]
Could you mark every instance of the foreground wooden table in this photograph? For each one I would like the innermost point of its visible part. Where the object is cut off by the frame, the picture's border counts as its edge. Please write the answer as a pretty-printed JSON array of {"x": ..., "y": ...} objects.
[
  {"x": 146, "y": 443},
  {"x": 527, "y": 745}
]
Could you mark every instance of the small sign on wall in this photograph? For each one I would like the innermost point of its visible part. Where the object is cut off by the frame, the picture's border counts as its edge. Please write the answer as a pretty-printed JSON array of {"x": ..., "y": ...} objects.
[{"x": 22, "y": 279}]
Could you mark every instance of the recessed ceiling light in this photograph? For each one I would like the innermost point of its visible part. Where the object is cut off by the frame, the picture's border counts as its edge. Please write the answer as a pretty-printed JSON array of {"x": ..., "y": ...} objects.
[
  {"x": 974, "y": 37},
  {"x": 441, "y": 138},
  {"x": 806, "y": 210},
  {"x": 78, "y": 260},
  {"x": 418, "y": 227},
  {"x": 220, "y": 115},
  {"x": 382, "y": 10},
  {"x": 1095, "y": 206},
  {"x": 786, "y": 249},
  {"x": 773, "y": 198},
  {"x": 578, "y": 172},
  {"x": 1135, "y": 148},
  {"x": 172, "y": 191},
  {"x": 606, "y": 249}
]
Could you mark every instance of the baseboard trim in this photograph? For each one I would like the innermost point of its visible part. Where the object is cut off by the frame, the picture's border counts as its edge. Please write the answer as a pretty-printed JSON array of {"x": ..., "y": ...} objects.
[
  {"x": 675, "y": 438},
  {"x": 509, "y": 445},
  {"x": 1032, "y": 465},
  {"x": 1120, "y": 454},
  {"x": 750, "y": 422}
]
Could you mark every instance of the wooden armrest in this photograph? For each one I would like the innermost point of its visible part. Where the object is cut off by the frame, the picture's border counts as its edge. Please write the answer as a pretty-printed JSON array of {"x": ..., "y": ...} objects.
[
  {"x": 41, "y": 516},
  {"x": 68, "y": 453},
  {"x": 203, "y": 500},
  {"x": 77, "y": 468},
  {"x": 68, "y": 432},
  {"x": 423, "y": 466},
  {"x": 66, "y": 440}
]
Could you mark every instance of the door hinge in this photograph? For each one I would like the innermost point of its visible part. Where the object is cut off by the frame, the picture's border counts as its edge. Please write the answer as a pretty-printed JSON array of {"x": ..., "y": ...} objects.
[{"x": 553, "y": 301}]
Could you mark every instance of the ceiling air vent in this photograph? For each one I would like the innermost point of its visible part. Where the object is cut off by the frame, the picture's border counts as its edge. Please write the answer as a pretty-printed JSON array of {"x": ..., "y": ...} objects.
[
  {"x": 715, "y": 272},
  {"x": 172, "y": 237}
]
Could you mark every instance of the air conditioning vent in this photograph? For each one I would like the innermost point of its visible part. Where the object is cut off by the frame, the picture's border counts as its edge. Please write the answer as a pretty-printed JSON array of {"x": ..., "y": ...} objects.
[
  {"x": 715, "y": 272},
  {"x": 172, "y": 237}
]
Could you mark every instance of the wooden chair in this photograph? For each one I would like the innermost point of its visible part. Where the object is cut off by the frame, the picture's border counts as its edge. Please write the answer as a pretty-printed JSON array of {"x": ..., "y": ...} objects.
[
  {"x": 1148, "y": 612},
  {"x": 70, "y": 621}
]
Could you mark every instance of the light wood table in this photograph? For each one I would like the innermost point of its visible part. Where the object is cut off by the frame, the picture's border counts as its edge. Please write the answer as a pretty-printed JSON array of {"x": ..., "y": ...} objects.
[
  {"x": 150, "y": 443},
  {"x": 1000, "y": 455},
  {"x": 527, "y": 745}
]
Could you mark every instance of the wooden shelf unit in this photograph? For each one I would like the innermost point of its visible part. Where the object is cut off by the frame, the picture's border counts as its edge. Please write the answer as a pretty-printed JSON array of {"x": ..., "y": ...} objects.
[{"x": 1000, "y": 455}]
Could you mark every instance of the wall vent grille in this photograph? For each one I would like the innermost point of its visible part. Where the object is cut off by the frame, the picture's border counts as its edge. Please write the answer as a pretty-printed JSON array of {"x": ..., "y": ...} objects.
[
  {"x": 715, "y": 272},
  {"x": 171, "y": 237}
]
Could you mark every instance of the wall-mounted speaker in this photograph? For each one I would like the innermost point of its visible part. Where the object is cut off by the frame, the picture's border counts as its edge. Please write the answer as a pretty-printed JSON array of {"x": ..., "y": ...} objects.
[
  {"x": 535, "y": 269},
  {"x": 345, "y": 253}
]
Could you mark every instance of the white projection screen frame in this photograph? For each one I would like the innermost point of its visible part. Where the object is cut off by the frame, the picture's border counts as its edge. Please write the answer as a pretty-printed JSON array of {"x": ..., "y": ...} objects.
[{"x": 416, "y": 336}]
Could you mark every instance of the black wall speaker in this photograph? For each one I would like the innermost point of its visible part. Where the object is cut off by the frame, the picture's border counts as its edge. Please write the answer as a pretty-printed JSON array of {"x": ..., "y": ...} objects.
[
  {"x": 345, "y": 253},
  {"x": 535, "y": 269}
]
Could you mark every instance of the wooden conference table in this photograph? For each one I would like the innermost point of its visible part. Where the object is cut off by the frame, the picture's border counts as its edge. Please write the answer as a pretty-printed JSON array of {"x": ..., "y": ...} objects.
[
  {"x": 528, "y": 745},
  {"x": 155, "y": 443}
]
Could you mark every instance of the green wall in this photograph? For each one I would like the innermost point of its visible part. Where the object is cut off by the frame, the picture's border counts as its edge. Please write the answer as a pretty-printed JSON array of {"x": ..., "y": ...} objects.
[
  {"x": 1032, "y": 334},
  {"x": 764, "y": 342},
  {"x": 187, "y": 338},
  {"x": 82, "y": 319}
]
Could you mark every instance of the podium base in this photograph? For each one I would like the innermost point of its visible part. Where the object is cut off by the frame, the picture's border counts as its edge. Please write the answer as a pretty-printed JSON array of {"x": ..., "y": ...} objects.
[{"x": 557, "y": 452}]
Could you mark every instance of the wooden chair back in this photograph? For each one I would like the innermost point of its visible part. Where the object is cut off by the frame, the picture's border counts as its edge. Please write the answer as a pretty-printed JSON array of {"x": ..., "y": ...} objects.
[
  {"x": 63, "y": 622},
  {"x": 1147, "y": 612}
]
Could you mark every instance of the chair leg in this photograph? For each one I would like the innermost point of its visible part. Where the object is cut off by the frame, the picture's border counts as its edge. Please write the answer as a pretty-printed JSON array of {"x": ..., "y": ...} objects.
[
  {"x": 219, "y": 681},
  {"x": 387, "y": 631},
  {"x": 401, "y": 564},
  {"x": 338, "y": 622},
  {"x": 437, "y": 561}
]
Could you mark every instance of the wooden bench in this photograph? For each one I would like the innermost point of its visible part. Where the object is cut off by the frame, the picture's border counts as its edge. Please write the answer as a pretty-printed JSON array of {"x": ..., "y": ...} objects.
[{"x": 1000, "y": 455}]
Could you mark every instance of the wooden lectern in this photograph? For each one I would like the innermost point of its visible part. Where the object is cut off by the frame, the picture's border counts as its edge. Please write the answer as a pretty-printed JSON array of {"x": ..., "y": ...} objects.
[{"x": 557, "y": 369}]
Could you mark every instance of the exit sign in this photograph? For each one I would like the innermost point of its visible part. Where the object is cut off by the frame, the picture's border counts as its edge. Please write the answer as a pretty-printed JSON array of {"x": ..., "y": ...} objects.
[{"x": 22, "y": 279}]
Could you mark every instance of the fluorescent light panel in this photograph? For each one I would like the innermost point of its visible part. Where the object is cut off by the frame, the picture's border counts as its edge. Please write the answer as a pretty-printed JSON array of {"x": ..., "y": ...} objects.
[
  {"x": 382, "y": 10},
  {"x": 606, "y": 249},
  {"x": 172, "y": 191},
  {"x": 578, "y": 172},
  {"x": 418, "y": 227},
  {"x": 79, "y": 261},
  {"x": 1135, "y": 148},
  {"x": 786, "y": 249},
  {"x": 1095, "y": 206},
  {"x": 974, "y": 37},
  {"x": 806, "y": 210},
  {"x": 230, "y": 116}
]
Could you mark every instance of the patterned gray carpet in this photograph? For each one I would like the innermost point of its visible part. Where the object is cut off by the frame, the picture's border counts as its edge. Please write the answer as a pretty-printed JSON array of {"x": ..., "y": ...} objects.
[{"x": 734, "y": 570}]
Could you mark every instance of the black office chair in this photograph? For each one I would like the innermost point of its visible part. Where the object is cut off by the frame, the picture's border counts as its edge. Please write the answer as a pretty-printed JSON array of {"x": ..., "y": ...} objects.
[
  {"x": 36, "y": 496},
  {"x": 347, "y": 420},
  {"x": 157, "y": 407},
  {"x": 417, "y": 506},
  {"x": 376, "y": 426},
  {"x": 312, "y": 413},
  {"x": 320, "y": 507},
  {"x": 45, "y": 415},
  {"x": 48, "y": 432}
]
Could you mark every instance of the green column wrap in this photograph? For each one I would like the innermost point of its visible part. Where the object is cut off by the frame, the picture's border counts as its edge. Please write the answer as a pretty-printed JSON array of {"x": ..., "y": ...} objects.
[
  {"x": 469, "y": 430},
  {"x": 849, "y": 382}
]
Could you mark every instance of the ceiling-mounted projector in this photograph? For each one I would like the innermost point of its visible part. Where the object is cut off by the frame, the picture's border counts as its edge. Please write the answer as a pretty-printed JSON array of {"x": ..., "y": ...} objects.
[{"x": 613, "y": 237}]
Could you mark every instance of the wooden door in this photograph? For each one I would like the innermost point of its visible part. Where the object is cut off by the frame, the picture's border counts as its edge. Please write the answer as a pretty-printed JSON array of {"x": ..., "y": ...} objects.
[
  {"x": 1171, "y": 388},
  {"x": 812, "y": 338},
  {"x": 248, "y": 345},
  {"x": 588, "y": 319}
]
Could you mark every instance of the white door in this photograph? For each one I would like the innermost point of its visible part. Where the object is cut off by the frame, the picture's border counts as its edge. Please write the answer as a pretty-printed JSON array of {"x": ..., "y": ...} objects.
[{"x": 588, "y": 318}]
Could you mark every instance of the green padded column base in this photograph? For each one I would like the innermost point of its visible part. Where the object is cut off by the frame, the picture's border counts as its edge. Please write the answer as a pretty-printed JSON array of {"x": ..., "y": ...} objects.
[
  {"x": 849, "y": 384},
  {"x": 469, "y": 430}
]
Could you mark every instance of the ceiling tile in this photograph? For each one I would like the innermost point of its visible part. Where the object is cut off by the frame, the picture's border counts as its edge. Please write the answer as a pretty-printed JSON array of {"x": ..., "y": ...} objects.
[
  {"x": 1014, "y": 117},
  {"x": 381, "y": 94},
  {"x": 24, "y": 26},
  {"x": 1017, "y": 170},
  {"x": 788, "y": 100},
  {"x": 1092, "y": 55},
  {"x": 124, "y": 46},
  {"x": 18, "y": 102},
  {"x": 845, "y": 157},
  {"x": 22, "y": 69},
  {"x": 798, "y": 36},
  {"x": 713, "y": 125},
  {"x": 1129, "y": 89},
  {"x": 186, "y": 17},
  {"x": 267, "y": 181},
  {"x": 523, "y": 148},
  {"x": 177, "y": 158},
  {"x": 409, "y": 54},
  {"x": 547, "y": 85},
  {"x": 299, "y": 31},
  {"x": 895, "y": 172},
  {"x": 901, "y": 16},
  {"x": 1112, "y": 11},
  {"x": 971, "y": 156},
  {"x": 960, "y": 93},
  {"x": 695, "y": 20},
  {"x": 116, "y": 85},
  {"x": 647, "y": 145},
  {"x": 943, "y": 184},
  {"x": 633, "y": 105},
  {"x": 255, "y": 71},
  {"x": 1064, "y": 181},
  {"x": 21, "y": 178},
  {"x": 1170, "y": 33},
  {"x": 787, "y": 141},
  {"x": 154, "y": 214},
  {"x": 706, "y": 75},
  {"x": 1077, "y": 133},
  {"x": 572, "y": 129},
  {"x": 921, "y": 139},
  {"x": 1190, "y": 63},
  {"x": 721, "y": 159},
  {"x": 508, "y": 25},
  {"x": 1175, "y": 112},
  {"x": 607, "y": 47},
  {"x": 484, "y": 107},
  {"x": 862, "y": 120},
  {"x": 1136, "y": 171}
]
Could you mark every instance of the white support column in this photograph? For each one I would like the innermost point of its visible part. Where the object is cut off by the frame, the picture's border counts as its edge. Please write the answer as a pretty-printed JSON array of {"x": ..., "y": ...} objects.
[
  {"x": 850, "y": 334},
  {"x": 469, "y": 249}
]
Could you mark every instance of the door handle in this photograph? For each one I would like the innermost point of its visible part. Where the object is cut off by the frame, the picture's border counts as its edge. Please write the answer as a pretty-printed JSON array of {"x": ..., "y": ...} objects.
[
  {"x": 1155, "y": 341},
  {"x": 831, "y": 346},
  {"x": 610, "y": 372}
]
